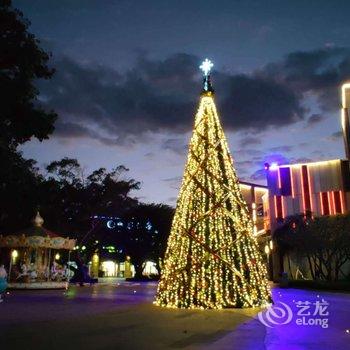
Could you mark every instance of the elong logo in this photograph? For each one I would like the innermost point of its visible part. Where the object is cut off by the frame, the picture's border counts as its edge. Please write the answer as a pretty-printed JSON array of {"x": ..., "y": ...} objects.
[
  {"x": 278, "y": 314},
  {"x": 308, "y": 314}
]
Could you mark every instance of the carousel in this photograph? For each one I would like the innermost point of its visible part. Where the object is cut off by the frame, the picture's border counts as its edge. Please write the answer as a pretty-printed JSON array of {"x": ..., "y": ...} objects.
[{"x": 36, "y": 258}]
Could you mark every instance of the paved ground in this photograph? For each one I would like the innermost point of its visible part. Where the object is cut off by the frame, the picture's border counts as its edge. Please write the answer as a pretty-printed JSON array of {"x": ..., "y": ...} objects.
[{"x": 122, "y": 317}]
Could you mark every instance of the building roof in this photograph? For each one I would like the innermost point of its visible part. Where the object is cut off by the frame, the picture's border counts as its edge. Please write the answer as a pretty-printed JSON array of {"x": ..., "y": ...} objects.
[
  {"x": 310, "y": 163},
  {"x": 251, "y": 184}
]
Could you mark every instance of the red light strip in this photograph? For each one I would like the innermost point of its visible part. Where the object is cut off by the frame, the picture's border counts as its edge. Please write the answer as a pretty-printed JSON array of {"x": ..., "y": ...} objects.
[
  {"x": 291, "y": 181},
  {"x": 330, "y": 203},
  {"x": 336, "y": 203},
  {"x": 310, "y": 196},
  {"x": 275, "y": 201},
  {"x": 333, "y": 200},
  {"x": 302, "y": 188},
  {"x": 321, "y": 200},
  {"x": 341, "y": 194}
]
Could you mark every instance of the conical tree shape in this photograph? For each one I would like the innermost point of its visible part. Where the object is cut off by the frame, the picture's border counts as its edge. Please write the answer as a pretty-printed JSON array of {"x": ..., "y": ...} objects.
[{"x": 212, "y": 258}]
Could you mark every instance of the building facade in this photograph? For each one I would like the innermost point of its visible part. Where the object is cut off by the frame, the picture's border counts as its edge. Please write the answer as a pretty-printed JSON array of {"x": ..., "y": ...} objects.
[{"x": 313, "y": 189}]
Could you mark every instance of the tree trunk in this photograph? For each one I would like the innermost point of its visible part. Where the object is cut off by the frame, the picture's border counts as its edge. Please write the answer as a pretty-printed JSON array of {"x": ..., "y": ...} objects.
[{"x": 138, "y": 269}]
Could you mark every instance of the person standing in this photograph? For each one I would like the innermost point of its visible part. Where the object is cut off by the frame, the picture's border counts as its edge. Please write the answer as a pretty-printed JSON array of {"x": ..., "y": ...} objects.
[{"x": 3, "y": 282}]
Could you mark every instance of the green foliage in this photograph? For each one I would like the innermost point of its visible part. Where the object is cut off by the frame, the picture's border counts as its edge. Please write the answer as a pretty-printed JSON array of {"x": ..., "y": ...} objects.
[{"x": 22, "y": 61}]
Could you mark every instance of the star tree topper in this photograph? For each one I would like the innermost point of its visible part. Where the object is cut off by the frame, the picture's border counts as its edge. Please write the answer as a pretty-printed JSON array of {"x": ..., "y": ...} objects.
[{"x": 206, "y": 66}]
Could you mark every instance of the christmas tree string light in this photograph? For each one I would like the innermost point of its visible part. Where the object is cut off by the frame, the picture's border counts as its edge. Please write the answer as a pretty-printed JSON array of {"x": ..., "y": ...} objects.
[{"x": 212, "y": 258}]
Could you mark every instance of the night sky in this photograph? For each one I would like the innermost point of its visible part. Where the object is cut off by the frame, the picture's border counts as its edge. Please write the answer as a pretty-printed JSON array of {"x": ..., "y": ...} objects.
[{"x": 127, "y": 83}]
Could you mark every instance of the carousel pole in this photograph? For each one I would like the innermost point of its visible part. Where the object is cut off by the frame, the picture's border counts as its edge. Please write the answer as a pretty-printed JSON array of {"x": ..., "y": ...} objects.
[
  {"x": 48, "y": 265},
  {"x": 68, "y": 264},
  {"x": 13, "y": 257},
  {"x": 10, "y": 268}
]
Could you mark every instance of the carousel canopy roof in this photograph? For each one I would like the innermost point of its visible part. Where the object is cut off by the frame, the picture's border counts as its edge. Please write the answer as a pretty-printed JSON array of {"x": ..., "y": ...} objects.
[{"x": 36, "y": 236}]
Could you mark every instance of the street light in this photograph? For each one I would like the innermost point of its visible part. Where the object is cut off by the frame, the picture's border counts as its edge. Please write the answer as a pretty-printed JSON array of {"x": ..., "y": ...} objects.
[{"x": 57, "y": 256}]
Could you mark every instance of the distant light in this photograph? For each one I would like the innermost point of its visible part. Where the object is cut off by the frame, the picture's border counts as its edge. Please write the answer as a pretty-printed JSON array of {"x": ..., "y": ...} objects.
[
  {"x": 274, "y": 166},
  {"x": 14, "y": 254},
  {"x": 57, "y": 256}
]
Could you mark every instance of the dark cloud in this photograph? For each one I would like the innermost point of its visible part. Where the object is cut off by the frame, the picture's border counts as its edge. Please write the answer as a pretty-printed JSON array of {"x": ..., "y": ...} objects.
[
  {"x": 251, "y": 152},
  {"x": 281, "y": 149},
  {"x": 319, "y": 72},
  {"x": 151, "y": 97},
  {"x": 250, "y": 140},
  {"x": 68, "y": 130},
  {"x": 174, "y": 182},
  {"x": 259, "y": 175},
  {"x": 256, "y": 103},
  {"x": 301, "y": 160},
  {"x": 162, "y": 95},
  {"x": 335, "y": 136},
  {"x": 173, "y": 179},
  {"x": 172, "y": 199},
  {"x": 149, "y": 155},
  {"x": 315, "y": 119},
  {"x": 245, "y": 163},
  {"x": 176, "y": 145}
]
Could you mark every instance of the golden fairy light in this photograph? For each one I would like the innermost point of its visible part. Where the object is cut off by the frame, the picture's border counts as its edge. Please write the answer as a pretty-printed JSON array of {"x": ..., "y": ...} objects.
[{"x": 212, "y": 258}]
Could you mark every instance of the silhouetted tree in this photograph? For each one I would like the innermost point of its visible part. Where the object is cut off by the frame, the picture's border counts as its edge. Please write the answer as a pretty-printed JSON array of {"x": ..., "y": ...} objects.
[
  {"x": 323, "y": 241},
  {"x": 147, "y": 231},
  {"x": 22, "y": 61}
]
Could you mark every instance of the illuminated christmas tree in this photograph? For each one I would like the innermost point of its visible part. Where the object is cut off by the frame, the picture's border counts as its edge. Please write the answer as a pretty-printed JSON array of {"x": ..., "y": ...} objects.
[{"x": 212, "y": 258}]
